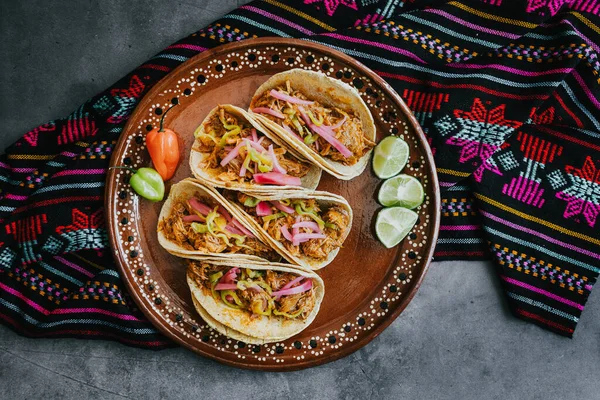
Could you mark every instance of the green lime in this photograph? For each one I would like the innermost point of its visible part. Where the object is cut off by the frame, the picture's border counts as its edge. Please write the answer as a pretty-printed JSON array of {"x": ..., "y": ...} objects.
[
  {"x": 393, "y": 224},
  {"x": 402, "y": 190},
  {"x": 390, "y": 156}
]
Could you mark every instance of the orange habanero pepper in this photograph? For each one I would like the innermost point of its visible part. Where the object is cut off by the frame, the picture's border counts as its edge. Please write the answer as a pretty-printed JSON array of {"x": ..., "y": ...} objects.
[{"x": 163, "y": 146}]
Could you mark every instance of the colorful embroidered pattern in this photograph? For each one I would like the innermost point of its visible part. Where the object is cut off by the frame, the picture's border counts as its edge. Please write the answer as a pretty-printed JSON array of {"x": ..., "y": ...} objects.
[
  {"x": 582, "y": 191},
  {"x": 479, "y": 132},
  {"x": 507, "y": 94},
  {"x": 536, "y": 154}
]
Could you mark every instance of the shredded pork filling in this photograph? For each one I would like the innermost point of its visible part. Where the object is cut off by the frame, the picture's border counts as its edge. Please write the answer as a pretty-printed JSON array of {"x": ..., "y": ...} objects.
[
  {"x": 254, "y": 290},
  {"x": 191, "y": 236},
  {"x": 223, "y": 133},
  {"x": 350, "y": 133}
]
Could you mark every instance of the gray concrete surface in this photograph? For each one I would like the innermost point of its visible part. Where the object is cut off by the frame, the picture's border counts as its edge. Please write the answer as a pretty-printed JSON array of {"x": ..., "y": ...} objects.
[{"x": 456, "y": 340}]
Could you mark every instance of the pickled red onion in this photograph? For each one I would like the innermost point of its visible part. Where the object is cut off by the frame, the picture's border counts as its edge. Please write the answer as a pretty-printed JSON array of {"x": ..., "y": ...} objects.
[
  {"x": 282, "y": 207},
  {"x": 232, "y": 154},
  {"x": 263, "y": 209},
  {"x": 286, "y": 233},
  {"x": 255, "y": 146},
  {"x": 276, "y": 178},
  {"x": 326, "y": 133},
  {"x": 200, "y": 207},
  {"x": 230, "y": 275},
  {"x": 267, "y": 110},
  {"x": 276, "y": 166},
  {"x": 339, "y": 124},
  {"x": 308, "y": 224},
  {"x": 254, "y": 135},
  {"x": 232, "y": 229},
  {"x": 290, "y": 131},
  {"x": 305, "y": 237},
  {"x": 292, "y": 283},
  {"x": 224, "y": 213},
  {"x": 288, "y": 98},
  {"x": 307, "y": 285},
  {"x": 192, "y": 218},
  {"x": 226, "y": 286},
  {"x": 241, "y": 227}
]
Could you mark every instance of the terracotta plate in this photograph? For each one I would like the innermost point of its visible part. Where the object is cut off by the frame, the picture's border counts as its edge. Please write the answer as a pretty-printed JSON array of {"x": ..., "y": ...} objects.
[{"x": 367, "y": 286}]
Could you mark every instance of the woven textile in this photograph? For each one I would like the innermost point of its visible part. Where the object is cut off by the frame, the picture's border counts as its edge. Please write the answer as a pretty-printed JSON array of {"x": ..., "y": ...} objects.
[{"x": 506, "y": 91}]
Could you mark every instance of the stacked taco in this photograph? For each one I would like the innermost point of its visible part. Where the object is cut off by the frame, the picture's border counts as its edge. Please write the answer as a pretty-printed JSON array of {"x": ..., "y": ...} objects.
[
  {"x": 254, "y": 302},
  {"x": 323, "y": 119},
  {"x": 253, "y": 204},
  {"x": 307, "y": 228},
  {"x": 198, "y": 221},
  {"x": 232, "y": 242}
]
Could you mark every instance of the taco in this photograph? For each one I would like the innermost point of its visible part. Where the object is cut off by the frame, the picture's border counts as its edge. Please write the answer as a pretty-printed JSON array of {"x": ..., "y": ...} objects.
[
  {"x": 195, "y": 220},
  {"x": 323, "y": 118},
  {"x": 307, "y": 228},
  {"x": 254, "y": 302},
  {"x": 234, "y": 151}
]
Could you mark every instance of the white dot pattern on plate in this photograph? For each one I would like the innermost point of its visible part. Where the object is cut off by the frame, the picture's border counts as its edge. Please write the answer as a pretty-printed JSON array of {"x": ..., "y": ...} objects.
[{"x": 399, "y": 280}]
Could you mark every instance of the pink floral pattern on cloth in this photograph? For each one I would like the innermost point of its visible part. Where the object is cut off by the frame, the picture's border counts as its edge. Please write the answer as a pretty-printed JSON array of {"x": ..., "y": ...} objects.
[{"x": 506, "y": 92}]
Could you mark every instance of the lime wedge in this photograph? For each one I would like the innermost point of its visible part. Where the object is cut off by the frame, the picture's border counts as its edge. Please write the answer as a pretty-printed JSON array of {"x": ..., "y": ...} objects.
[
  {"x": 402, "y": 190},
  {"x": 393, "y": 224},
  {"x": 390, "y": 156}
]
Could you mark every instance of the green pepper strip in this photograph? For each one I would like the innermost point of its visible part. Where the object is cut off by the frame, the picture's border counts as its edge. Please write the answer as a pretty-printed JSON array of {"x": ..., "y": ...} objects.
[
  {"x": 264, "y": 168},
  {"x": 213, "y": 291},
  {"x": 239, "y": 240},
  {"x": 199, "y": 228},
  {"x": 301, "y": 210},
  {"x": 297, "y": 125},
  {"x": 317, "y": 122},
  {"x": 246, "y": 162},
  {"x": 265, "y": 286},
  {"x": 225, "y": 238},
  {"x": 260, "y": 160},
  {"x": 257, "y": 310},
  {"x": 257, "y": 157},
  {"x": 210, "y": 135},
  {"x": 220, "y": 222},
  {"x": 251, "y": 201},
  {"x": 243, "y": 284},
  {"x": 331, "y": 226},
  {"x": 225, "y": 293},
  {"x": 216, "y": 276},
  {"x": 273, "y": 216},
  {"x": 252, "y": 273},
  {"x": 210, "y": 218},
  {"x": 199, "y": 214},
  {"x": 210, "y": 223},
  {"x": 229, "y": 134},
  {"x": 214, "y": 280},
  {"x": 228, "y": 127},
  {"x": 310, "y": 139},
  {"x": 288, "y": 315}
]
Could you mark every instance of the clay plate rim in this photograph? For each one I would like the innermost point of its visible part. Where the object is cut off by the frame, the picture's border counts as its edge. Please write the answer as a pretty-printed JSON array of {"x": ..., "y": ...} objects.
[{"x": 121, "y": 259}]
